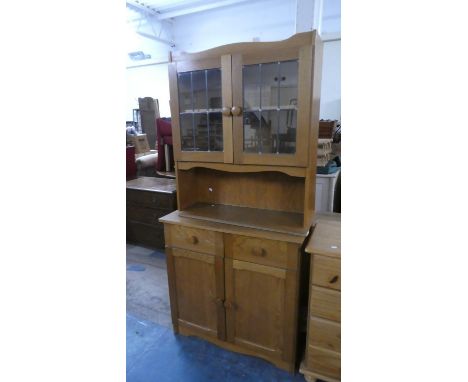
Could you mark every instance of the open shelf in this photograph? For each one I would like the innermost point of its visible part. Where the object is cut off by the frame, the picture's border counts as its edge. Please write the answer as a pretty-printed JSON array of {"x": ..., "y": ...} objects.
[
  {"x": 259, "y": 197},
  {"x": 277, "y": 221}
]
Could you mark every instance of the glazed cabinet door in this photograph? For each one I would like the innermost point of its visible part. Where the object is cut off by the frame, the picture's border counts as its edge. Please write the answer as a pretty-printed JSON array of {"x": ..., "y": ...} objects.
[
  {"x": 197, "y": 291},
  {"x": 200, "y": 92},
  {"x": 271, "y": 106},
  {"x": 258, "y": 316}
]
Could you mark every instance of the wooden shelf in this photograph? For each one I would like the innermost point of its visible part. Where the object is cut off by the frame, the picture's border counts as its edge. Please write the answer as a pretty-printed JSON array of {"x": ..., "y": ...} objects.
[{"x": 269, "y": 220}]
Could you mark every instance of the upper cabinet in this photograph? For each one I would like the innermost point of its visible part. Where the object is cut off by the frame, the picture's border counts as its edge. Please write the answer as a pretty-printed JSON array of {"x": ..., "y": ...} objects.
[{"x": 247, "y": 103}]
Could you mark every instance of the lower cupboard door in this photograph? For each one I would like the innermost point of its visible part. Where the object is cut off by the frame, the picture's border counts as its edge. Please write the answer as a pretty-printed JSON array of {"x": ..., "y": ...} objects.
[
  {"x": 199, "y": 292},
  {"x": 260, "y": 308}
]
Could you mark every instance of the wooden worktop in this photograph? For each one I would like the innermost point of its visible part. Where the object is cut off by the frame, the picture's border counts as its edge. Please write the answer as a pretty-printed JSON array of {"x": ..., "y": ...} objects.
[
  {"x": 175, "y": 218},
  {"x": 326, "y": 237},
  {"x": 149, "y": 183}
]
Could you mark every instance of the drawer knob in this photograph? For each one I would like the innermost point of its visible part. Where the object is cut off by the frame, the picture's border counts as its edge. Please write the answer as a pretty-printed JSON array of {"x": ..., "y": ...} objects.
[
  {"x": 194, "y": 240},
  {"x": 259, "y": 252},
  {"x": 333, "y": 280}
]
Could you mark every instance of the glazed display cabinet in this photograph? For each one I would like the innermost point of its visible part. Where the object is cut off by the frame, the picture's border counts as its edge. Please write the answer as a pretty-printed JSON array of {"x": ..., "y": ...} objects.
[{"x": 245, "y": 125}]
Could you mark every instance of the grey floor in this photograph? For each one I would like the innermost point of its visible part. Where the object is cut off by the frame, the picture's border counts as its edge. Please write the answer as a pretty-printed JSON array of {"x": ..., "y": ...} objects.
[{"x": 147, "y": 289}]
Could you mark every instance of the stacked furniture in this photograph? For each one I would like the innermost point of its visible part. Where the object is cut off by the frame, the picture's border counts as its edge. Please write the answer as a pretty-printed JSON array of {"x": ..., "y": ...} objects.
[
  {"x": 148, "y": 199},
  {"x": 323, "y": 350},
  {"x": 326, "y": 128},
  {"x": 149, "y": 113},
  {"x": 245, "y": 126},
  {"x": 324, "y": 151}
]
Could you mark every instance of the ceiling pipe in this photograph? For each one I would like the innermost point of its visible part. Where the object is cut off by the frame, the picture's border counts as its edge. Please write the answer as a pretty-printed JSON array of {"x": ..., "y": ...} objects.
[{"x": 167, "y": 42}]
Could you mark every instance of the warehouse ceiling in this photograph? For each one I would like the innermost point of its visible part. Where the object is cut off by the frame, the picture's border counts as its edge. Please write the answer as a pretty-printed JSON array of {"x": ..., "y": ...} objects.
[
  {"x": 168, "y": 9},
  {"x": 151, "y": 21}
]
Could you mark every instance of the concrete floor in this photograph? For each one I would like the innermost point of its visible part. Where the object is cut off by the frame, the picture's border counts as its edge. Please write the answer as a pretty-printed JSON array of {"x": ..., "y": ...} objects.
[
  {"x": 156, "y": 354},
  {"x": 147, "y": 288}
]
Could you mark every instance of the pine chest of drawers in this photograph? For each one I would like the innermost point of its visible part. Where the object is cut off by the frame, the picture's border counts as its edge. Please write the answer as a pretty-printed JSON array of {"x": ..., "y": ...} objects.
[
  {"x": 323, "y": 349},
  {"x": 148, "y": 199}
]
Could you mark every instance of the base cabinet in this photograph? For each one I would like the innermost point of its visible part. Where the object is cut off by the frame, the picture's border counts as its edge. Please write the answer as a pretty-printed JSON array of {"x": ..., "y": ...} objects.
[
  {"x": 241, "y": 296},
  {"x": 323, "y": 350}
]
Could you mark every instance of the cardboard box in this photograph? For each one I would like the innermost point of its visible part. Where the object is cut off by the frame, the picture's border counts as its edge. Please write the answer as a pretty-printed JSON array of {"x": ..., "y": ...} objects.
[{"x": 140, "y": 142}]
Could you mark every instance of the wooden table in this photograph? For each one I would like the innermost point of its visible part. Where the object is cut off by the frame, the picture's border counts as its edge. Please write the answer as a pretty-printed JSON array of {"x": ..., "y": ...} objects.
[
  {"x": 323, "y": 350},
  {"x": 148, "y": 199}
]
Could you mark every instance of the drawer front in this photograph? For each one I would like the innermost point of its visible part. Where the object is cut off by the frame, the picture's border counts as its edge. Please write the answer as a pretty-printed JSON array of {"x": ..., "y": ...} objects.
[
  {"x": 325, "y": 303},
  {"x": 325, "y": 334},
  {"x": 151, "y": 236},
  {"x": 152, "y": 199},
  {"x": 194, "y": 239},
  {"x": 145, "y": 214},
  {"x": 323, "y": 361},
  {"x": 261, "y": 251},
  {"x": 326, "y": 272}
]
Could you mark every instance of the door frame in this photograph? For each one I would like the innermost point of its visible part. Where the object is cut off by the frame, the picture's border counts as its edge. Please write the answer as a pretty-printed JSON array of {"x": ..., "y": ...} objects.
[
  {"x": 304, "y": 56},
  {"x": 224, "y": 63}
]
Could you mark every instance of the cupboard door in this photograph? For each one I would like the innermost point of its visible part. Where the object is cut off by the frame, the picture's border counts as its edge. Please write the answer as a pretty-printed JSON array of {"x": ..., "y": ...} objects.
[
  {"x": 271, "y": 114},
  {"x": 201, "y": 124},
  {"x": 197, "y": 282},
  {"x": 259, "y": 315}
]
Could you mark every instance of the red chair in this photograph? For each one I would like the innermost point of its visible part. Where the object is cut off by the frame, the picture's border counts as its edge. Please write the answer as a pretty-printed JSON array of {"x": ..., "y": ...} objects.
[{"x": 164, "y": 137}]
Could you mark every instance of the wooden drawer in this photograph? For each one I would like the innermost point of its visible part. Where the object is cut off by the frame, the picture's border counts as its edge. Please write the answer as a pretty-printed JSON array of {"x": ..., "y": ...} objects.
[
  {"x": 326, "y": 272},
  {"x": 262, "y": 251},
  {"x": 325, "y": 334},
  {"x": 325, "y": 303},
  {"x": 194, "y": 239},
  {"x": 323, "y": 361},
  {"x": 152, "y": 199},
  {"x": 145, "y": 214},
  {"x": 149, "y": 235}
]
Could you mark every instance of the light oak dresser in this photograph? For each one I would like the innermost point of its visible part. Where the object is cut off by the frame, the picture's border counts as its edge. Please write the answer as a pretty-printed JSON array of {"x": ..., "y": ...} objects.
[
  {"x": 245, "y": 130},
  {"x": 323, "y": 349}
]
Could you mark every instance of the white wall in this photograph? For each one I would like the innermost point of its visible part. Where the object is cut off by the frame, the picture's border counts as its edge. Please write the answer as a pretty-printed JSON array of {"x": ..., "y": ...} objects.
[
  {"x": 267, "y": 20},
  {"x": 330, "y": 98},
  {"x": 148, "y": 81}
]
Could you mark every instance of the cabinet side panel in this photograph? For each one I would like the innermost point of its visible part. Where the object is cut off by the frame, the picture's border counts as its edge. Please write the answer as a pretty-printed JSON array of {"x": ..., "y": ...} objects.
[
  {"x": 291, "y": 301},
  {"x": 309, "y": 202},
  {"x": 174, "y": 104},
  {"x": 172, "y": 288}
]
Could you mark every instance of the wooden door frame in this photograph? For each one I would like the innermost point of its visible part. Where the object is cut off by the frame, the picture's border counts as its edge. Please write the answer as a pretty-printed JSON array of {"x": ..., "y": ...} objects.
[
  {"x": 304, "y": 56},
  {"x": 224, "y": 63}
]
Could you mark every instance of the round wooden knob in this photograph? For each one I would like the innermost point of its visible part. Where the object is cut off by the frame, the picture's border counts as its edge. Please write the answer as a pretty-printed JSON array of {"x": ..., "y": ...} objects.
[
  {"x": 236, "y": 110},
  {"x": 194, "y": 240},
  {"x": 259, "y": 252},
  {"x": 333, "y": 280},
  {"x": 226, "y": 111}
]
